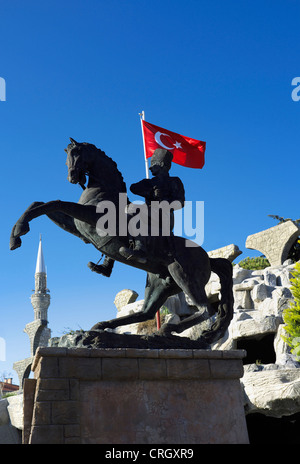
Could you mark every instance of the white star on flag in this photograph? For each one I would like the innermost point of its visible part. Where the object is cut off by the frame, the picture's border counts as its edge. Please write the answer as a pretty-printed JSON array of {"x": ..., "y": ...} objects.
[{"x": 177, "y": 145}]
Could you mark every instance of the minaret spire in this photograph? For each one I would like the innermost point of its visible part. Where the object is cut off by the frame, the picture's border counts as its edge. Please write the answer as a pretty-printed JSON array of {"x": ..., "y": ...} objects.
[
  {"x": 40, "y": 262},
  {"x": 37, "y": 330}
]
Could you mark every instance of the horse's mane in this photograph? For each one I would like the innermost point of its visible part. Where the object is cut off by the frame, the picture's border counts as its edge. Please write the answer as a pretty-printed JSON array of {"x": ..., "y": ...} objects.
[{"x": 109, "y": 163}]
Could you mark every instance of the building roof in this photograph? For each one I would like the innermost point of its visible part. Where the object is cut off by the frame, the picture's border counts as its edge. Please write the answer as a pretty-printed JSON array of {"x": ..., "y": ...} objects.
[
  {"x": 40, "y": 262},
  {"x": 7, "y": 386}
]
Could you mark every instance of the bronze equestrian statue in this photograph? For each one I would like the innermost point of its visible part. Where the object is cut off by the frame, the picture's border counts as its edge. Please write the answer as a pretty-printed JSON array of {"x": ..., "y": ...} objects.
[{"x": 171, "y": 266}]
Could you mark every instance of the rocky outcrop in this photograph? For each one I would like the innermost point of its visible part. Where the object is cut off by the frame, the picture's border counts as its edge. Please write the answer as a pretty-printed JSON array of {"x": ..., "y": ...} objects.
[
  {"x": 272, "y": 392},
  {"x": 259, "y": 300},
  {"x": 271, "y": 381},
  {"x": 124, "y": 298},
  {"x": 11, "y": 419},
  {"x": 275, "y": 242},
  {"x": 15, "y": 410},
  {"x": 229, "y": 252}
]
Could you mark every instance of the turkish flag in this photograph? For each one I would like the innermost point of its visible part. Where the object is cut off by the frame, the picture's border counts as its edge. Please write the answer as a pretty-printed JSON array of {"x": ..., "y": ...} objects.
[{"x": 186, "y": 151}]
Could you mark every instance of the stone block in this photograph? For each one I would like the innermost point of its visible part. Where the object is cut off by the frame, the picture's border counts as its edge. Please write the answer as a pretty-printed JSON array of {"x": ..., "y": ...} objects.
[
  {"x": 257, "y": 325},
  {"x": 268, "y": 307},
  {"x": 281, "y": 348},
  {"x": 261, "y": 292},
  {"x": 275, "y": 242},
  {"x": 229, "y": 252},
  {"x": 49, "y": 367},
  {"x": 47, "y": 434},
  {"x": 221, "y": 369},
  {"x": 41, "y": 413},
  {"x": 52, "y": 384},
  {"x": 65, "y": 412},
  {"x": 240, "y": 274},
  {"x": 141, "y": 353},
  {"x": 119, "y": 369},
  {"x": 284, "y": 277},
  {"x": 152, "y": 369},
  {"x": 76, "y": 367},
  {"x": 72, "y": 430},
  {"x": 282, "y": 298},
  {"x": 52, "y": 395},
  {"x": 188, "y": 369},
  {"x": 125, "y": 297},
  {"x": 15, "y": 410},
  {"x": 29, "y": 389},
  {"x": 272, "y": 392},
  {"x": 269, "y": 277}
]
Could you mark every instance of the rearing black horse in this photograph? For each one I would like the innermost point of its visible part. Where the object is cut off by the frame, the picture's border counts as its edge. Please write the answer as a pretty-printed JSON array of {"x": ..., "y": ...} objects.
[{"x": 170, "y": 269}]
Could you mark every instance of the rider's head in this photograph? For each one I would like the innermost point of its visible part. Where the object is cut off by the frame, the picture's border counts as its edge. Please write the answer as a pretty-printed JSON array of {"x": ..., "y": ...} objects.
[{"x": 161, "y": 160}]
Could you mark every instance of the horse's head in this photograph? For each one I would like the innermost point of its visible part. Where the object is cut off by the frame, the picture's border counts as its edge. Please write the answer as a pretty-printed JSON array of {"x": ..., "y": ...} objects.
[
  {"x": 86, "y": 159},
  {"x": 77, "y": 165}
]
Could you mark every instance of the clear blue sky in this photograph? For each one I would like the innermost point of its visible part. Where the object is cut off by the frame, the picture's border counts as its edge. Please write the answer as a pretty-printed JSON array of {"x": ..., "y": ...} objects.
[{"x": 217, "y": 71}]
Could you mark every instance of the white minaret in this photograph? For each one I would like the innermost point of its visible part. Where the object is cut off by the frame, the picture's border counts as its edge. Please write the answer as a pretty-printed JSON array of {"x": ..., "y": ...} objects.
[
  {"x": 40, "y": 300},
  {"x": 37, "y": 330}
]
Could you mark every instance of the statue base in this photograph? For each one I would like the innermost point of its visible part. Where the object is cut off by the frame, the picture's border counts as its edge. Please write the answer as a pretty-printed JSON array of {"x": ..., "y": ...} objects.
[
  {"x": 111, "y": 339},
  {"x": 134, "y": 396}
]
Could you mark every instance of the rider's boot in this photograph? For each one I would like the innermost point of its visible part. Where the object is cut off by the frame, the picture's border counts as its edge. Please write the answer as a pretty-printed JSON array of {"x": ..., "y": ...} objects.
[{"x": 103, "y": 269}]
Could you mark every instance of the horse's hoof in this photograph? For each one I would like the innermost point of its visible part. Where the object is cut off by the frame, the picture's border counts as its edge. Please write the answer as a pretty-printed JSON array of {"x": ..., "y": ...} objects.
[
  {"x": 15, "y": 242},
  {"x": 99, "y": 326},
  {"x": 21, "y": 228}
]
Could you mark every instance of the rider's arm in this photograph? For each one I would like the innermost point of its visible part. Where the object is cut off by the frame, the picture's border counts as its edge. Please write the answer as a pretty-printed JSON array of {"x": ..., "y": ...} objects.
[{"x": 142, "y": 188}]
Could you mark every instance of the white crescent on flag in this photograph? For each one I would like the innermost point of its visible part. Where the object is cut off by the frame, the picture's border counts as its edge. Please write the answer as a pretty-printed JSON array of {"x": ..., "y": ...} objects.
[{"x": 158, "y": 140}]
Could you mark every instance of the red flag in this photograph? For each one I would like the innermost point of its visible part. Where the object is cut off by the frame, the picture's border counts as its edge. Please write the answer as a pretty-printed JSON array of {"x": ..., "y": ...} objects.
[{"x": 186, "y": 151}]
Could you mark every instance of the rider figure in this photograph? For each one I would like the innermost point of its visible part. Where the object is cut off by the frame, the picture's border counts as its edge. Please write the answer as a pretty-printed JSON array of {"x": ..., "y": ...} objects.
[{"x": 160, "y": 187}]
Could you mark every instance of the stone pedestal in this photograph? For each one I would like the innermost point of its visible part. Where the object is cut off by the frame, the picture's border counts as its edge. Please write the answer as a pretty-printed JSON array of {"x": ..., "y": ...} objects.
[{"x": 134, "y": 396}]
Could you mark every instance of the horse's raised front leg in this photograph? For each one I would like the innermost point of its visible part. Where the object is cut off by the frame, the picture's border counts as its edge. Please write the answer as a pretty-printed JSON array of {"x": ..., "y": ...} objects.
[
  {"x": 15, "y": 240},
  {"x": 85, "y": 213},
  {"x": 66, "y": 223}
]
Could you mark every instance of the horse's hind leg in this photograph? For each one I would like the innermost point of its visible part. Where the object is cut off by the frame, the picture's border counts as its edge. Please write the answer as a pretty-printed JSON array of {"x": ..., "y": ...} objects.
[
  {"x": 196, "y": 291},
  {"x": 156, "y": 293}
]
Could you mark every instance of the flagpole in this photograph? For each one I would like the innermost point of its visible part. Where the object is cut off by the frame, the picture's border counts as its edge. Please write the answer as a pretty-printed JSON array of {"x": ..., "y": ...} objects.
[{"x": 142, "y": 116}]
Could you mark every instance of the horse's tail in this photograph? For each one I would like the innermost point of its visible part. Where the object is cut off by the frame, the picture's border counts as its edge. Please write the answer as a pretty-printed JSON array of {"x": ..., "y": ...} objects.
[{"x": 223, "y": 268}]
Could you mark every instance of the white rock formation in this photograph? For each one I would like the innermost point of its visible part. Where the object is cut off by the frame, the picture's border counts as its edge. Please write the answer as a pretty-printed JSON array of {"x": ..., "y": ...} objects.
[
  {"x": 260, "y": 298},
  {"x": 9, "y": 423}
]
